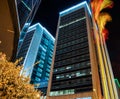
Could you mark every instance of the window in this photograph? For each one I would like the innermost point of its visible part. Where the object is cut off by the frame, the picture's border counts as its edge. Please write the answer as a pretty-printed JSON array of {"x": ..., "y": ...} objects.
[
  {"x": 47, "y": 74},
  {"x": 78, "y": 74},
  {"x": 37, "y": 79},
  {"x": 48, "y": 70},
  {"x": 59, "y": 76},
  {"x": 62, "y": 92},
  {"x": 46, "y": 78},
  {"x": 68, "y": 76},
  {"x": 42, "y": 57},
  {"x": 38, "y": 74},
  {"x": 40, "y": 65},
  {"x": 73, "y": 74},
  {"x": 72, "y": 60},
  {"x": 39, "y": 70},
  {"x": 55, "y": 70},
  {"x": 41, "y": 61},
  {"x": 68, "y": 67}
]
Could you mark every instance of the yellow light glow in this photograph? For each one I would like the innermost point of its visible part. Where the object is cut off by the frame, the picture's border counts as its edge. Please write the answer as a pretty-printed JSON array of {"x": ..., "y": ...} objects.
[{"x": 100, "y": 17}]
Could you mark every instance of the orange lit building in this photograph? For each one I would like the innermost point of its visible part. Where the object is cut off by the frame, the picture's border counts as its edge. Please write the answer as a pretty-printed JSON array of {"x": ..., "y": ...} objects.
[{"x": 9, "y": 27}]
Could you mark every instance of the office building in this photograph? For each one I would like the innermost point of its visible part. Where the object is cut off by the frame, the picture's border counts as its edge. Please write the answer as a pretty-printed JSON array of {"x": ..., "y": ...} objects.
[
  {"x": 37, "y": 47},
  {"x": 13, "y": 16},
  {"x": 80, "y": 67},
  {"x": 27, "y": 10}
]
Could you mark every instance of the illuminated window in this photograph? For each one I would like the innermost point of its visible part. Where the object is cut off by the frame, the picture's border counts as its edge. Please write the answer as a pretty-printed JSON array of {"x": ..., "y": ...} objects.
[
  {"x": 46, "y": 78},
  {"x": 68, "y": 67},
  {"x": 38, "y": 69},
  {"x": 57, "y": 77},
  {"x": 62, "y": 92},
  {"x": 37, "y": 79},
  {"x": 47, "y": 74}
]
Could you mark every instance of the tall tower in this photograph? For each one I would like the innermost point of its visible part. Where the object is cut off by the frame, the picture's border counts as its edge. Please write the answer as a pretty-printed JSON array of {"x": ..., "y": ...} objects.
[
  {"x": 75, "y": 62},
  {"x": 76, "y": 68},
  {"x": 14, "y": 14},
  {"x": 37, "y": 46},
  {"x": 26, "y": 11}
]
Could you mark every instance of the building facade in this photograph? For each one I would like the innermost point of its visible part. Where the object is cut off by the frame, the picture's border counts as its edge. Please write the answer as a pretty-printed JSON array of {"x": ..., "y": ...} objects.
[
  {"x": 76, "y": 68},
  {"x": 13, "y": 16},
  {"x": 36, "y": 51},
  {"x": 27, "y": 10}
]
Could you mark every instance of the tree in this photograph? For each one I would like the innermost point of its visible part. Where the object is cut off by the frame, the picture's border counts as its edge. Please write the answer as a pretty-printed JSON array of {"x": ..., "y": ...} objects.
[{"x": 12, "y": 84}]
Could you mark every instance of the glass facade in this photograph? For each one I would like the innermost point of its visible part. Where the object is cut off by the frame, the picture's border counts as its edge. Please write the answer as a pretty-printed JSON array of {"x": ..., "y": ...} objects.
[
  {"x": 25, "y": 45},
  {"x": 37, "y": 51},
  {"x": 27, "y": 10},
  {"x": 72, "y": 66}
]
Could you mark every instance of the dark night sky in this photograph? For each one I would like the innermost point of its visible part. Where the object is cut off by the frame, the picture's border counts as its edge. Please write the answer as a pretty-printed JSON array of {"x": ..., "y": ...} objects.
[{"x": 48, "y": 12}]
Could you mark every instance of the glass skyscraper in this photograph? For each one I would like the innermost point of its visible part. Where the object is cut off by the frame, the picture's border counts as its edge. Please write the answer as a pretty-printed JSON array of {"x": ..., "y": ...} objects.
[
  {"x": 14, "y": 15},
  {"x": 77, "y": 72},
  {"x": 27, "y": 10},
  {"x": 37, "y": 47}
]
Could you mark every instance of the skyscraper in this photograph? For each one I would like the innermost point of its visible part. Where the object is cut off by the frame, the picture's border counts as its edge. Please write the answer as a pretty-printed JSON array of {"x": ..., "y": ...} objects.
[
  {"x": 27, "y": 10},
  {"x": 76, "y": 71},
  {"x": 38, "y": 47},
  {"x": 14, "y": 15}
]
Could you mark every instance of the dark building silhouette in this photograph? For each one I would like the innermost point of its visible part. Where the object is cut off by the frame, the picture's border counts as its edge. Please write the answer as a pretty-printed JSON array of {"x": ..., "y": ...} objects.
[
  {"x": 9, "y": 28},
  {"x": 27, "y": 10},
  {"x": 81, "y": 68}
]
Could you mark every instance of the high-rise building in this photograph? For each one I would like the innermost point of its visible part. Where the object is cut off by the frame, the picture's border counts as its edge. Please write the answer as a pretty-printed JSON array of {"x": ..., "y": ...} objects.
[
  {"x": 27, "y": 10},
  {"x": 14, "y": 15},
  {"x": 80, "y": 67},
  {"x": 37, "y": 47},
  {"x": 9, "y": 28}
]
